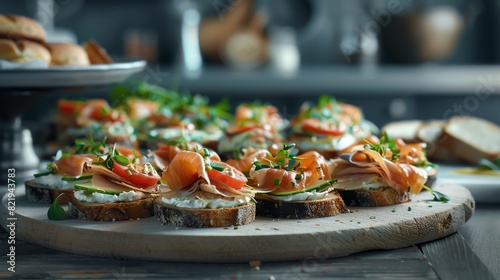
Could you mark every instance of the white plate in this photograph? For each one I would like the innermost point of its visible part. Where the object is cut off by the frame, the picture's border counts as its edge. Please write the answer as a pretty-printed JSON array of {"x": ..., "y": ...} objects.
[
  {"x": 484, "y": 188},
  {"x": 71, "y": 76}
]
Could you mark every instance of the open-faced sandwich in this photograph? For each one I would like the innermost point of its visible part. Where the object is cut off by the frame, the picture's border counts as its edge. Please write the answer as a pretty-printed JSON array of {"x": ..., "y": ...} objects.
[
  {"x": 254, "y": 126},
  {"x": 160, "y": 115},
  {"x": 383, "y": 172},
  {"x": 295, "y": 186},
  {"x": 65, "y": 171},
  {"x": 79, "y": 119},
  {"x": 328, "y": 127},
  {"x": 122, "y": 188},
  {"x": 60, "y": 177},
  {"x": 204, "y": 193}
]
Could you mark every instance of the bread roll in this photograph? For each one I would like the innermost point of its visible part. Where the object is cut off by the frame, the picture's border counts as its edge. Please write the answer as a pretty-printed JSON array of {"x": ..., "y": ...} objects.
[
  {"x": 20, "y": 27},
  {"x": 96, "y": 54},
  {"x": 67, "y": 54},
  {"x": 23, "y": 51}
]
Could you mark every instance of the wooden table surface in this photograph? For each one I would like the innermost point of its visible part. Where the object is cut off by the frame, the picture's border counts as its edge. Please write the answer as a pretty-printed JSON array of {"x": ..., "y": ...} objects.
[{"x": 472, "y": 253}]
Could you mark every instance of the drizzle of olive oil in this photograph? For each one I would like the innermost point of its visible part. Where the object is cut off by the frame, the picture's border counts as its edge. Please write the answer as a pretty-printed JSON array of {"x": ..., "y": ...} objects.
[{"x": 477, "y": 171}]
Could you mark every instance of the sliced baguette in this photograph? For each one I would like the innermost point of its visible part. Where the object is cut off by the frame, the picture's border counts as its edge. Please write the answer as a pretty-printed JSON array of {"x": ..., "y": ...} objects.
[
  {"x": 373, "y": 198},
  {"x": 45, "y": 195},
  {"x": 202, "y": 218},
  {"x": 431, "y": 133},
  {"x": 117, "y": 211},
  {"x": 331, "y": 205},
  {"x": 472, "y": 139},
  {"x": 406, "y": 130}
]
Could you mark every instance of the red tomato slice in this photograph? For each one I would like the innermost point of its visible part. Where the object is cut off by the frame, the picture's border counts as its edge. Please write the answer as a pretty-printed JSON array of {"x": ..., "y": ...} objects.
[
  {"x": 223, "y": 178},
  {"x": 69, "y": 107},
  {"x": 321, "y": 127},
  {"x": 140, "y": 180}
]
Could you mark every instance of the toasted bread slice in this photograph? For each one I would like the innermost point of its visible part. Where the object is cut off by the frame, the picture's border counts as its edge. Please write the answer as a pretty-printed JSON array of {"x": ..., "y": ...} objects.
[
  {"x": 472, "y": 138},
  {"x": 331, "y": 205},
  {"x": 45, "y": 195},
  {"x": 201, "y": 218},
  {"x": 406, "y": 130},
  {"x": 373, "y": 198},
  {"x": 117, "y": 211}
]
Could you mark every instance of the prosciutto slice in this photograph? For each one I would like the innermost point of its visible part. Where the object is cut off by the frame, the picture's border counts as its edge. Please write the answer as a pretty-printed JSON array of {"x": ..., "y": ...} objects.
[
  {"x": 364, "y": 166},
  {"x": 74, "y": 165}
]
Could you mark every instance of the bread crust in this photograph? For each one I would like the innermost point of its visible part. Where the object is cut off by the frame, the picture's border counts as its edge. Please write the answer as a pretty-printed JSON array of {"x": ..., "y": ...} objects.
[
  {"x": 45, "y": 195},
  {"x": 20, "y": 27},
  {"x": 373, "y": 198},
  {"x": 23, "y": 51},
  {"x": 117, "y": 211},
  {"x": 67, "y": 54},
  {"x": 331, "y": 205},
  {"x": 96, "y": 54},
  {"x": 464, "y": 150},
  {"x": 202, "y": 218}
]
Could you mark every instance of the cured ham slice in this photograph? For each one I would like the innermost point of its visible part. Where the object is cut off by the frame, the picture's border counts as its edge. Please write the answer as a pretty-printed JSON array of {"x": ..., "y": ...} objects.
[
  {"x": 367, "y": 166},
  {"x": 74, "y": 165}
]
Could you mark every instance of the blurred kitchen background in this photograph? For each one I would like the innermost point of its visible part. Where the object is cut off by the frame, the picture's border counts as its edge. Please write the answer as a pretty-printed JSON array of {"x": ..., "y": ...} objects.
[{"x": 397, "y": 59}]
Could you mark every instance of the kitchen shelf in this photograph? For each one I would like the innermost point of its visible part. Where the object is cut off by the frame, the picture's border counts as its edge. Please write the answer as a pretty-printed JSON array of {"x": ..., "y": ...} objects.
[{"x": 352, "y": 80}]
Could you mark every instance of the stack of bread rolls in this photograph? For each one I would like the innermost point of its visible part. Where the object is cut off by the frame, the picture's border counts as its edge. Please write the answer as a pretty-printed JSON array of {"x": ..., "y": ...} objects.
[{"x": 23, "y": 40}]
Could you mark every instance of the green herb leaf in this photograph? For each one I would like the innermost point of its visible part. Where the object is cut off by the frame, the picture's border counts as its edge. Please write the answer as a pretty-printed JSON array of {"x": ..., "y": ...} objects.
[
  {"x": 56, "y": 212},
  {"x": 123, "y": 160},
  {"x": 217, "y": 166},
  {"x": 438, "y": 196}
]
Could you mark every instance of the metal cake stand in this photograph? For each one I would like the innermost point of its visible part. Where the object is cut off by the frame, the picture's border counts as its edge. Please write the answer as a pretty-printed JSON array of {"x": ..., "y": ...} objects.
[{"x": 21, "y": 88}]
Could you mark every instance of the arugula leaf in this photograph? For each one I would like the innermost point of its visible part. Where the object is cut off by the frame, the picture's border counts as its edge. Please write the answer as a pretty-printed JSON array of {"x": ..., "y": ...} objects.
[
  {"x": 438, "y": 196},
  {"x": 56, "y": 212}
]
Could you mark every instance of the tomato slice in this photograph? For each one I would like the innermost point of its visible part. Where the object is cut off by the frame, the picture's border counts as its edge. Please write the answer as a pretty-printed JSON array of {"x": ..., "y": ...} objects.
[
  {"x": 229, "y": 177},
  {"x": 69, "y": 107},
  {"x": 138, "y": 179},
  {"x": 322, "y": 127}
]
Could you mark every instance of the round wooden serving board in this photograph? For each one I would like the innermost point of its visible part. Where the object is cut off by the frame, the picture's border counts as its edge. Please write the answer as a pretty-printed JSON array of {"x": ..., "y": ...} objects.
[{"x": 266, "y": 239}]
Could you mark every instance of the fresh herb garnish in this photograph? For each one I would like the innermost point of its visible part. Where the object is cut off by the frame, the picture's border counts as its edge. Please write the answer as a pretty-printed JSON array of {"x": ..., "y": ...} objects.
[
  {"x": 438, "y": 196},
  {"x": 112, "y": 157},
  {"x": 386, "y": 143},
  {"x": 56, "y": 212},
  {"x": 90, "y": 146},
  {"x": 425, "y": 164},
  {"x": 217, "y": 166}
]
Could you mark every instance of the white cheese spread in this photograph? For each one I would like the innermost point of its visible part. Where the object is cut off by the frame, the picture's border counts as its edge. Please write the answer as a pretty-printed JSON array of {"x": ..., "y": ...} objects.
[
  {"x": 95, "y": 197},
  {"x": 56, "y": 182},
  {"x": 313, "y": 195},
  {"x": 197, "y": 203}
]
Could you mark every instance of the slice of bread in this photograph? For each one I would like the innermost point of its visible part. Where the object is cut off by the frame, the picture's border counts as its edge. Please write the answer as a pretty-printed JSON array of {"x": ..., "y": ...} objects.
[
  {"x": 330, "y": 205},
  {"x": 472, "y": 139},
  {"x": 201, "y": 218},
  {"x": 117, "y": 211},
  {"x": 406, "y": 130},
  {"x": 373, "y": 198},
  {"x": 431, "y": 133},
  {"x": 45, "y": 195}
]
